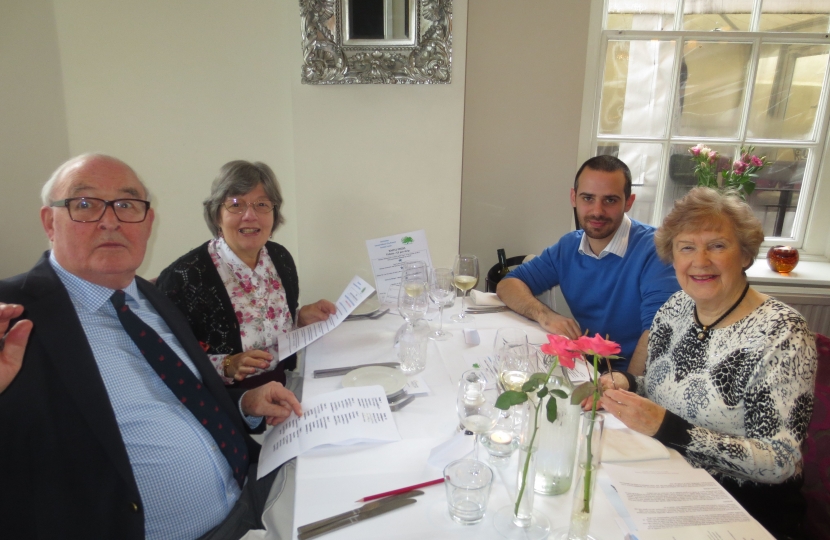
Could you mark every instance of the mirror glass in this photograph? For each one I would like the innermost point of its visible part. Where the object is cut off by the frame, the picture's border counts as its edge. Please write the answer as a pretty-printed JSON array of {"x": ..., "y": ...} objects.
[{"x": 379, "y": 21}]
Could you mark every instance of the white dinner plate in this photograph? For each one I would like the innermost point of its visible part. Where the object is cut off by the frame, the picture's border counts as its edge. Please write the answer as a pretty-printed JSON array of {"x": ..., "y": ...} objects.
[
  {"x": 390, "y": 379},
  {"x": 370, "y": 305}
]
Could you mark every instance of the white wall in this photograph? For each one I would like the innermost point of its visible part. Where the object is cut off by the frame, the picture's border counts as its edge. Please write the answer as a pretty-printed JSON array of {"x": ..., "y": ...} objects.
[
  {"x": 525, "y": 75},
  {"x": 33, "y": 136},
  {"x": 176, "y": 89}
]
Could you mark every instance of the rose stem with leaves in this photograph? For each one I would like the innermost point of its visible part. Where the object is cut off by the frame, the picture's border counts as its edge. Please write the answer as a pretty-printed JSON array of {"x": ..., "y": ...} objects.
[
  {"x": 543, "y": 392},
  {"x": 586, "y": 507}
]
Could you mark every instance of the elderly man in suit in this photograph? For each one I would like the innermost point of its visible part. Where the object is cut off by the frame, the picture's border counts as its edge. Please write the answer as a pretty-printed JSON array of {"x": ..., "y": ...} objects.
[{"x": 113, "y": 422}]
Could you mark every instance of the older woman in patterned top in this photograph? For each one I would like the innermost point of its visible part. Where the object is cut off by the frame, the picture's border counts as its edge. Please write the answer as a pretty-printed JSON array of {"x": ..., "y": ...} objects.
[
  {"x": 730, "y": 371},
  {"x": 240, "y": 291}
]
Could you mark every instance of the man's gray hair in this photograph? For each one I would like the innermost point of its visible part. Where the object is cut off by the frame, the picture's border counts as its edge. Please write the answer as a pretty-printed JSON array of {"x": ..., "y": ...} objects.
[
  {"x": 49, "y": 186},
  {"x": 237, "y": 178}
]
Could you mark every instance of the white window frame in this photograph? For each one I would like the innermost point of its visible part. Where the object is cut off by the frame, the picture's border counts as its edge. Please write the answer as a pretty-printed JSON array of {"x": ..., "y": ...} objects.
[{"x": 812, "y": 220}]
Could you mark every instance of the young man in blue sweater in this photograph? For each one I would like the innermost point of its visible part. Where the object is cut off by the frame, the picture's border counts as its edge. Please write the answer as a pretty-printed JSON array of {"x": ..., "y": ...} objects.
[{"x": 608, "y": 271}]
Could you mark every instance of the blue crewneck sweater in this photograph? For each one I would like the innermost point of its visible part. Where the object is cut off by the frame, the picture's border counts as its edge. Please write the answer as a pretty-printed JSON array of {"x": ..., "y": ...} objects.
[{"x": 614, "y": 295}]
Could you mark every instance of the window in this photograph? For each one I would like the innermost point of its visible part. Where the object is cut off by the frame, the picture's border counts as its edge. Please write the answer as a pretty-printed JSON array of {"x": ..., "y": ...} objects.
[{"x": 727, "y": 73}]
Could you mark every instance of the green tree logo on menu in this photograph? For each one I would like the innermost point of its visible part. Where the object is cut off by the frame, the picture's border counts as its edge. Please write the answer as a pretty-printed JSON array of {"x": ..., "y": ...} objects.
[{"x": 407, "y": 240}]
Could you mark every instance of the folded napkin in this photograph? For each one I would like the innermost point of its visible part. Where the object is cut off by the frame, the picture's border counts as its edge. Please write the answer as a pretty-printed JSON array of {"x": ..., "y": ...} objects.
[
  {"x": 623, "y": 444},
  {"x": 485, "y": 298}
]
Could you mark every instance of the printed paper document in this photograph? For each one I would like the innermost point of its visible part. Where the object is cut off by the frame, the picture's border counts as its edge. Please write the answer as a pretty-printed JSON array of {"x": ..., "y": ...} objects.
[
  {"x": 662, "y": 502},
  {"x": 346, "y": 416},
  {"x": 356, "y": 292},
  {"x": 387, "y": 256}
]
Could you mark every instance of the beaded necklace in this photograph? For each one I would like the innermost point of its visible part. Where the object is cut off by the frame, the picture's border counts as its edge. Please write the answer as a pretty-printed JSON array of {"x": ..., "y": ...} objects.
[{"x": 705, "y": 329}]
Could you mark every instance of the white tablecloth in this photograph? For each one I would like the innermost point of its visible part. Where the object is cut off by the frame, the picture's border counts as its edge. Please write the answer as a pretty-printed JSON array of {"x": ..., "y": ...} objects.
[{"x": 330, "y": 479}]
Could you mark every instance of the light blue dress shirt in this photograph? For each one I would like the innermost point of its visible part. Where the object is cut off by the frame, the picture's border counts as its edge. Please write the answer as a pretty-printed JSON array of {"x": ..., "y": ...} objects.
[{"x": 185, "y": 482}]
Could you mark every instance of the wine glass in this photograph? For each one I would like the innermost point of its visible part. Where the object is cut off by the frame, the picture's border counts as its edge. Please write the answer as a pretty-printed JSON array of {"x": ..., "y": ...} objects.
[
  {"x": 441, "y": 288},
  {"x": 515, "y": 365},
  {"x": 466, "y": 276},
  {"x": 507, "y": 337},
  {"x": 476, "y": 406},
  {"x": 412, "y": 298}
]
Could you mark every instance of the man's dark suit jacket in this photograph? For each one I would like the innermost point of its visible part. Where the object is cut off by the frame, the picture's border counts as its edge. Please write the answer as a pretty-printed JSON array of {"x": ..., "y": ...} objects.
[{"x": 64, "y": 470}]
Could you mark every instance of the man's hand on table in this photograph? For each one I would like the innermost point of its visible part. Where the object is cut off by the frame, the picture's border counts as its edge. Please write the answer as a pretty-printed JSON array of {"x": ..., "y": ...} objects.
[
  {"x": 14, "y": 344},
  {"x": 273, "y": 401},
  {"x": 555, "y": 323}
]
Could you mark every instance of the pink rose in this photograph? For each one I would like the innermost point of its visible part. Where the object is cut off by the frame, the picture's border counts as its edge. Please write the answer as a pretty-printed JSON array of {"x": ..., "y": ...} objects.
[
  {"x": 756, "y": 161},
  {"x": 271, "y": 313},
  {"x": 695, "y": 150},
  {"x": 597, "y": 346},
  {"x": 561, "y": 347},
  {"x": 713, "y": 156}
]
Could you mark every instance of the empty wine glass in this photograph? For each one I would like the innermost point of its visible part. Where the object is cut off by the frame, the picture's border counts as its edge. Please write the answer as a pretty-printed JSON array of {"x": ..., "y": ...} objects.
[
  {"x": 441, "y": 289},
  {"x": 466, "y": 276},
  {"x": 476, "y": 405}
]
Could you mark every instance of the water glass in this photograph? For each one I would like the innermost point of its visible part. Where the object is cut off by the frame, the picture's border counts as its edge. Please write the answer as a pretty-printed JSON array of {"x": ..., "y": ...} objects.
[
  {"x": 412, "y": 348},
  {"x": 468, "y": 488}
]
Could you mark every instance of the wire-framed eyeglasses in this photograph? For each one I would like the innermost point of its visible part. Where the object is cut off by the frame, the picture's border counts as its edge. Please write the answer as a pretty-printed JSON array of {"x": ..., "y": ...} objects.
[
  {"x": 238, "y": 206},
  {"x": 90, "y": 209}
]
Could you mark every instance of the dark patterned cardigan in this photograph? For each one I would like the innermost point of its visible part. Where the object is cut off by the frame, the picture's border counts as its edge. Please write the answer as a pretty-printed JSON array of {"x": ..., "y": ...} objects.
[{"x": 193, "y": 283}]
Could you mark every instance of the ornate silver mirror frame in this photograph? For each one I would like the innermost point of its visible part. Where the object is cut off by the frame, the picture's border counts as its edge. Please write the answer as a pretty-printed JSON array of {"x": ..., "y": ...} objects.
[{"x": 327, "y": 59}]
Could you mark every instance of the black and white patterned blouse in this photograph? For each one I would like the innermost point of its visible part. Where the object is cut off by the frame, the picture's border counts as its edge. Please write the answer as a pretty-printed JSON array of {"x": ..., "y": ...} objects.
[{"x": 738, "y": 402}]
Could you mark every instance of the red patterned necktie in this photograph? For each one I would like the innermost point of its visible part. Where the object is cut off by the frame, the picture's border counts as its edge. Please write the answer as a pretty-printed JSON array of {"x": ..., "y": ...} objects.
[{"x": 185, "y": 386}]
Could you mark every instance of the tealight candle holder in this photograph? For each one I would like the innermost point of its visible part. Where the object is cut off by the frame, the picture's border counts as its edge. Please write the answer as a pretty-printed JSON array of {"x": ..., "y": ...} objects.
[{"x": 782, "y": 259}]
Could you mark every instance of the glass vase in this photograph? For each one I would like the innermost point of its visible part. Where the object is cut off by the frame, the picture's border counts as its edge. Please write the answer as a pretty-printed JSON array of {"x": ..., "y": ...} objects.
[
  {"x": 590, "y": 453},
  {"x": 590, "y": 438},
  {"x": 518, "y": 520},
  {"x": 557, "y": 441},
  {"x": 583, "y": 503}
]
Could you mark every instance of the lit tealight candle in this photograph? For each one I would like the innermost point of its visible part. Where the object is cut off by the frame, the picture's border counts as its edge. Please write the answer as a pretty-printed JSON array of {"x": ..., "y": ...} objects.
[{"x": 500, "y": 437}]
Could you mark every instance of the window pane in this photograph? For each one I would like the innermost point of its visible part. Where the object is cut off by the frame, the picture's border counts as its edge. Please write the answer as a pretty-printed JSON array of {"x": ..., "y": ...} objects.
[
  {"x": 644, "y": 161},
  {"x": 795, "y": 16},
  {"x": 711, "y": 89},
  {"x": 777, "y": 189},
  {"x": 635, "y": 88},
  {"x": 640, "y": 15},
  {"x": 681, "y": 175},
  {"x": 709, "y": 16},
  {"x": 787, "y": 91}
]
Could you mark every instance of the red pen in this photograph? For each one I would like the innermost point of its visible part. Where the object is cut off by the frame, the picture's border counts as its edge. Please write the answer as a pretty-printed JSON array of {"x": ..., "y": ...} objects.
[{"x": 400, "y": 490}]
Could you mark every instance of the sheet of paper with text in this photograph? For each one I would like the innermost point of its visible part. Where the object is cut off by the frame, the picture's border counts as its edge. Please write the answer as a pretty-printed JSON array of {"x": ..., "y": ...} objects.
[
  {"x": 356, "y": 292},
  {"x": 387, "y": 256},
  {"x": 343, "y": 417}
]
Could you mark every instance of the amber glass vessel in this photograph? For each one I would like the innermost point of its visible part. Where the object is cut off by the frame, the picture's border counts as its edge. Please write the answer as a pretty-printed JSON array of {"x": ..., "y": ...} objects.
[{"x": 782, "y": 259}]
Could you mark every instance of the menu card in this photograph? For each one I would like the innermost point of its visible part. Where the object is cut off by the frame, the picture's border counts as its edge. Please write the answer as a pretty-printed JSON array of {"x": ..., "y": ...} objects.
[
  {"x": 387, "y": 256},
  {"x": 356, "y": 292},
  {"x": 346, "y": 416}
]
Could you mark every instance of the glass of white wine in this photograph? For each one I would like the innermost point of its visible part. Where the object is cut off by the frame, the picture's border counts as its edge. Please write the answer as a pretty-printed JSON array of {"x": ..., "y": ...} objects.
[
  {"x": 412, "y": 299},
  {"x": 465, "y": 270},
  {"x": 476, "y": 405}
]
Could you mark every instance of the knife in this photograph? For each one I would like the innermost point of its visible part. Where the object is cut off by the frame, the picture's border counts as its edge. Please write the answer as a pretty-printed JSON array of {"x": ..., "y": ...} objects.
[
  {"x": 371, "y": 511},
  {"x": 334, "y": 372},
  {"x": 365, "y": 508}
]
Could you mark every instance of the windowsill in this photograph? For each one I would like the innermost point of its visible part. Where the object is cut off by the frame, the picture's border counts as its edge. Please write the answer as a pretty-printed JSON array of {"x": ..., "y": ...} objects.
[{"x": 807, "y": 274}]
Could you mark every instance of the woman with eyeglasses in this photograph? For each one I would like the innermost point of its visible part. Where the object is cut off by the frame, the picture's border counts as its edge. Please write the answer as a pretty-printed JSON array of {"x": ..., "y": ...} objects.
[{"x": 239, "y": 291}]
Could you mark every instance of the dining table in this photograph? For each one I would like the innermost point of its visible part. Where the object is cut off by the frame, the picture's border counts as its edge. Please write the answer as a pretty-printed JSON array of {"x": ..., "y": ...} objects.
[{"x": 330, "y": 479}]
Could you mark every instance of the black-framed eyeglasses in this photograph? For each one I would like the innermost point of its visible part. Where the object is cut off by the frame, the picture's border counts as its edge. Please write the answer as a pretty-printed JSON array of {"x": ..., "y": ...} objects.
[
  {"x": 238, "y": 206},
  {"x": 88, "y": 209}
]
